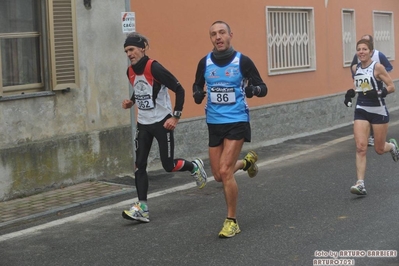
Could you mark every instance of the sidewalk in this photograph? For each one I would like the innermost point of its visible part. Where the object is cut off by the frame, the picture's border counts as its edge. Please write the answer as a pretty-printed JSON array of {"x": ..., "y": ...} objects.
[{"x": 51, "y": 202}]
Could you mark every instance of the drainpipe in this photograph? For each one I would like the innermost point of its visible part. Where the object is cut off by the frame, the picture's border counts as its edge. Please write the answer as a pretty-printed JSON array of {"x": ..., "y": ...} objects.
[{"x": 132, "y": 113}]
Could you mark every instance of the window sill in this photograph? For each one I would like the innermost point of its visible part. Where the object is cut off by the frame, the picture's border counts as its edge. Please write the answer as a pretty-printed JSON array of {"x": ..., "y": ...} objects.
[{"x": 26, "y": 96}]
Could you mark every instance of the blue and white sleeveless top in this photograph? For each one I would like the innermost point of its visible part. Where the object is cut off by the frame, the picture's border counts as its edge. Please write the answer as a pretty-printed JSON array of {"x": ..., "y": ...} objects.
[
  {"x": 225, "y": 91},
  {"x": 364, "y": 80}
]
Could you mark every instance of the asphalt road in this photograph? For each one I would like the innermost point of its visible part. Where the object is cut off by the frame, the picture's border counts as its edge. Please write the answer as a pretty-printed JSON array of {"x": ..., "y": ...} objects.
[{"x": 297, "y": 211}]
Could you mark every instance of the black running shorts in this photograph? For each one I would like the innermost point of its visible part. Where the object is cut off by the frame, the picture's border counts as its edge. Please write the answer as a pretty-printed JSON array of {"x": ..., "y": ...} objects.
[
  {"x": 233, "y": 131},
  {"x": 361, "y": 114}
]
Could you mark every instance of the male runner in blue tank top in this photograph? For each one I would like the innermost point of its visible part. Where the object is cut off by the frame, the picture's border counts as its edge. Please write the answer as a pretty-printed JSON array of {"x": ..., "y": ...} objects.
[{"x": 230, "y": 77}]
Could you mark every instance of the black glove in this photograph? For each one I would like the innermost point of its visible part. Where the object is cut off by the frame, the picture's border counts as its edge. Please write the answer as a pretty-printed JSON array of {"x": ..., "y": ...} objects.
[
  {"x": 199, "y": 96},
  {"x": 383, "y": 93},
  {"x": 373, "y": 94},
  {"x": 348, "y": 97},
  {"x": 251, "y": 90}
]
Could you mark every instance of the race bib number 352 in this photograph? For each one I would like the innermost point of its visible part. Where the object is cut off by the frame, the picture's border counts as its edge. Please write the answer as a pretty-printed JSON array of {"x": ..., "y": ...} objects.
[
  {"x": 144, "y": 102},
  {"x": 223, "y": 95}
]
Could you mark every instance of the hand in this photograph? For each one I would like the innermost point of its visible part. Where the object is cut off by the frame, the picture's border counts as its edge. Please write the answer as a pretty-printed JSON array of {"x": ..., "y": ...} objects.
[
  {"x": 383, "y": 93},
  {"x": 348, "y": 97},
  {"x": 251, "y": 90},
  {"x": 348, "y": 102},
  {"x": 171, "y": 123},
  {"x": 373, "y": 94},
  {"x": 199, "y": 96},
  {"x": 126, "y": 104},
  {"x": 350, "y": 93}
]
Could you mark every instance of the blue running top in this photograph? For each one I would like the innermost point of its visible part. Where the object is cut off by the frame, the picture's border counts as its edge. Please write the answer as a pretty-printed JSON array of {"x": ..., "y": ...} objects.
[{"x": 225, "y": 91}]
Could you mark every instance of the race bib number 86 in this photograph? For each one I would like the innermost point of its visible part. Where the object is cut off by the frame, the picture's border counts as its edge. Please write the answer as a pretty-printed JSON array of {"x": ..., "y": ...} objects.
[{"x": 223, "y": 95}]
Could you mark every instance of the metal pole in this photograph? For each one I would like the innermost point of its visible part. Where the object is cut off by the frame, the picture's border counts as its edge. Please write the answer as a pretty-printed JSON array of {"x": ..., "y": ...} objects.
[{"x": 132, "y": 113}]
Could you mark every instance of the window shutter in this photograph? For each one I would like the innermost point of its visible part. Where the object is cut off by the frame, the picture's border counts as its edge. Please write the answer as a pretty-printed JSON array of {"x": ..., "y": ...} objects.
[{"x": 63, "y": 44}]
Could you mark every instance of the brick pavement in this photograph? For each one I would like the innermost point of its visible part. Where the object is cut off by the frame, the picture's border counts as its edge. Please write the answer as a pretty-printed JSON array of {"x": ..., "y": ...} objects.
[{"x": 59, "y": 199}]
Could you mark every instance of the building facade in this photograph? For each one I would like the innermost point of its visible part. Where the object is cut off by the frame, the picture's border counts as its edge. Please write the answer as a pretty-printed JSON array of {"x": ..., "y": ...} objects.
[{"x": 63, "y": 77}]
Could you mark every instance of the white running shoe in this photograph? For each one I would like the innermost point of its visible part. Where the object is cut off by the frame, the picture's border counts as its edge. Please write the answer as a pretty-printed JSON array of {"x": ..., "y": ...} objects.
[
  {"x": 359, "y": 189},
  {"x": 199, "y": 173},
  {"x": 138, "y": 212}
]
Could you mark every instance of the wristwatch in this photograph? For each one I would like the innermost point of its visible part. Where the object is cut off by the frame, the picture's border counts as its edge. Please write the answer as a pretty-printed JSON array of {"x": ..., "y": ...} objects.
[{"x": 177, "y": 114}]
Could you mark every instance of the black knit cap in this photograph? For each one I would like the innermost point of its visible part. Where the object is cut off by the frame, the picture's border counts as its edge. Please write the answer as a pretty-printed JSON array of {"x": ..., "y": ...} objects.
[{"x": 134, "y": 41}]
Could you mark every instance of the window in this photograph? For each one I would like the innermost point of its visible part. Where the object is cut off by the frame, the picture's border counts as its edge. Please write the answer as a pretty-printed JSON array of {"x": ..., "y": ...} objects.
[
  {"x": 384, "y": 33},
  {"x": 348, "y": 36},
  {"x": 37, "y": 46},
  {"x": 290, "y": 39}
]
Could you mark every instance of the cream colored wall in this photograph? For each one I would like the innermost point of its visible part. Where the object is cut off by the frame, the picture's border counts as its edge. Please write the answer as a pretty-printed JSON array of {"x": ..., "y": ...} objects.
[
  {"x": 51, "y": 140},
  {"x": 178, "y": 33},
  {"x": 96, "y": 104}
]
